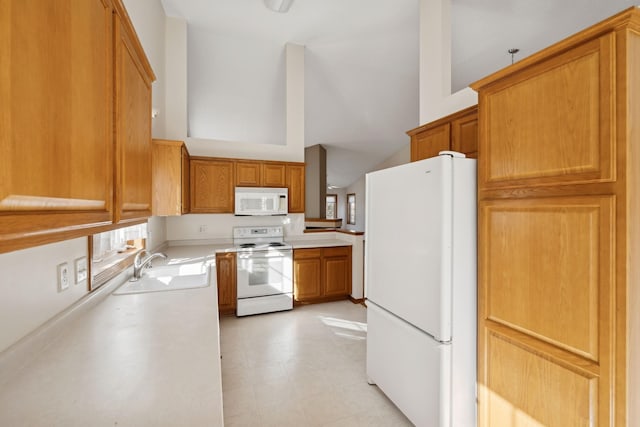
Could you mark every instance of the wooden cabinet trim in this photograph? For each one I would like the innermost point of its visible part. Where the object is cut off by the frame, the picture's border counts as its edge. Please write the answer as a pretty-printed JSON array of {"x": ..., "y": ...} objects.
[
  {"x": 469, "y": 111},
  {"x": 627, "y": 17},
  {"x": 135, "y": 40},
  {"x": 456, "y": 132}
]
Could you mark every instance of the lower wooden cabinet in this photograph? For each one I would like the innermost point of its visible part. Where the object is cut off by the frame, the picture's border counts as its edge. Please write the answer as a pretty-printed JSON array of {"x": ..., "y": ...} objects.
[
  {"x": 307, "y": 273},
  {"x": 226, "y": 276},
  {"x": 321, "y": 274}
]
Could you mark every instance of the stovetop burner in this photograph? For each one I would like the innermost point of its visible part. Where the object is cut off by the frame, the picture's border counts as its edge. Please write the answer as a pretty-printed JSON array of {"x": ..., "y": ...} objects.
[
  {"x": 247, "y": 245},
  {"x": 276, "y": 244}
]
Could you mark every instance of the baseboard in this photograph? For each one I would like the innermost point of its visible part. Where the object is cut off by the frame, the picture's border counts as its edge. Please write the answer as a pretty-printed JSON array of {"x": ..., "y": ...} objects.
[{"x": 357, "y": 300}]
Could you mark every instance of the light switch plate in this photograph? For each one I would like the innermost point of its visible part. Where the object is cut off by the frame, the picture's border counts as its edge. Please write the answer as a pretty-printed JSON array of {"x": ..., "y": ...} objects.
[
  {"x": 63, "y": 276},
  {"x": 81, "y": 269}
]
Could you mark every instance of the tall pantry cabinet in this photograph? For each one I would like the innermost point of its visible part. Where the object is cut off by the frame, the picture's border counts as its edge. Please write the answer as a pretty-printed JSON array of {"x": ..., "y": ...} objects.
[
  {"x": 74, "y": 83},
  {"x": 559, "y": 233}
]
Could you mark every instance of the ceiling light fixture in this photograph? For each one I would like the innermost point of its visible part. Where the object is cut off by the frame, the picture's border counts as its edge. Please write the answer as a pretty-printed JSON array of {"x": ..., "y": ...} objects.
[{"x": 281, "y": 6}]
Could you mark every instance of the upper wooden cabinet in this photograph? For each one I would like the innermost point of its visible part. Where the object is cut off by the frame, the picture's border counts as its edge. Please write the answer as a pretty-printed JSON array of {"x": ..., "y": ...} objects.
[
  {"x": 212, "y": 185},
  {"x": 57, "y": 133},
  {"x": 133, "y": 78},
  {"x": 559, "y": 236},
  {"x": 274, "y": 174},
  {"x": 214, "y": 179},
  {"x": 170, "y": 177},
  {"x": 456, "y": 132},
  {"x": 248, "y": 173},
  {"x": 56, "y": 146},
  {"x": 295, "y": 184}
]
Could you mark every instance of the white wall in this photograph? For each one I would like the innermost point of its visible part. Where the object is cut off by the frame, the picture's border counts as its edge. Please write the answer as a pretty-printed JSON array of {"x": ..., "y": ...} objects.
[
  {"x": 400, "y": 157},
  {"x": 176, "y": 97},
  {"x": 176, "y": 78},
  {"x": 29, "y": 287},
  {"x": 148, "y": 19},
  {"x": 436, "y": 99},
  {"x": 218, "y": 227},
  {"x": 28, "y": 283},
  {"x": 150, "y": 23}
]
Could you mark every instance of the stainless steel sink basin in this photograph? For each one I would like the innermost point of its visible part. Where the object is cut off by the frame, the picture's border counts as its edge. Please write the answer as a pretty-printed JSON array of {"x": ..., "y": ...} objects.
[{"x": 168, "y": 278}]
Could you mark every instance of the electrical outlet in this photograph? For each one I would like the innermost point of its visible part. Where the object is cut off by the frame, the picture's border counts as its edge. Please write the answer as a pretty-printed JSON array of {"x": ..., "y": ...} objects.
[
  {"x": 81, "y": 269},
  {"x": 203, "y": 229},
  {"x": 63, "y": 276}
]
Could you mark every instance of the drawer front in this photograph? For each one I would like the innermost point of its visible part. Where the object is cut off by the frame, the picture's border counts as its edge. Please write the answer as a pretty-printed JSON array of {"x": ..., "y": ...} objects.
[{"x": 307, "y": 253}]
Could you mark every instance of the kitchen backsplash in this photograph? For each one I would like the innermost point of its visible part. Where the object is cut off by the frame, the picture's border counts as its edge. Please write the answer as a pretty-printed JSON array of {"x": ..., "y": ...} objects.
[{"x": 219, "y": 226}]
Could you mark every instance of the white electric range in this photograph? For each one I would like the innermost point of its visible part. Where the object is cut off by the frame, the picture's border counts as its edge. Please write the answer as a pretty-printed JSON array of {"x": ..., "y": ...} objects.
[{"x": 264, "y": 270}]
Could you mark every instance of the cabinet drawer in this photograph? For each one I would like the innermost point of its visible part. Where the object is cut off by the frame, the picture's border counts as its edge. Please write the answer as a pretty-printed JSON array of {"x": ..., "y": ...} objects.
[
  {"x": 337, "y": 251},
  {"x": 307, "y": 253}
]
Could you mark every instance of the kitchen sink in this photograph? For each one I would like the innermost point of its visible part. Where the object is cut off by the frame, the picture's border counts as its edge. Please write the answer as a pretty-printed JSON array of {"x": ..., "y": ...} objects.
[{"x": 168, "y": 278}]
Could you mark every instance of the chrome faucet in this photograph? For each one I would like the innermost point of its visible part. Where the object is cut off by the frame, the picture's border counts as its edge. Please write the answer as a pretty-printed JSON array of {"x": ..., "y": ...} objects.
[{"x": 139, "y": 263}]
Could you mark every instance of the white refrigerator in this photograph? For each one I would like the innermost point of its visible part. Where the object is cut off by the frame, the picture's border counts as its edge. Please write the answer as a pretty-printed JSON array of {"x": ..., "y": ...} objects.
[{"x": 420, "y": 285}]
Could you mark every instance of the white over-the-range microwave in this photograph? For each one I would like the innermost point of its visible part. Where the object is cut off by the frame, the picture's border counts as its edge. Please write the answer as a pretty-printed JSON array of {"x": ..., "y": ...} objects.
[{"x": 261, "y": 201}]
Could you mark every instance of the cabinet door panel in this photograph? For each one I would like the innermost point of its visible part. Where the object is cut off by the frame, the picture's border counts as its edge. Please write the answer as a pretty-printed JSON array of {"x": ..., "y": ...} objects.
[
  {"x": 529, "y": 145},
  {"x": 552, "y": 396},
  {"x": 429, "y": 143},
  {"x": 248, "y": 174},
  {"x": 168, "y": 174},
  {"x": 212, "y": 186},
  {"x": 185, "y": 181},
  {"x": 295, "y": 183},
  {"x": 56, "y": 134},
  {"x": 464, "y": 135},
  {"x": 558, "y": 281},
  {"x": 274, "y": 175},
  {"x": 226, "y": 277},
  {"x": 337, "y": 275},
  {"x": 307, "y": 275},
  {"x": 133, "y": 131}
]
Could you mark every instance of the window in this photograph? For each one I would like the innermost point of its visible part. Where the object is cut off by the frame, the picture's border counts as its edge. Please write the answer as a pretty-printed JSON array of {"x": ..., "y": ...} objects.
[
  {"x": 351, "y": 209},
  {"x": 332, "y": 206}
]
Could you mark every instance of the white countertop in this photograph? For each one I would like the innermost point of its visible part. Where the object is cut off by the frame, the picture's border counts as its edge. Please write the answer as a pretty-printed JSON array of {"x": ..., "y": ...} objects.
[
  {"x": 317, "y": 243},
  {"x": 295, "y": 243},
  {"x": 149, "y": 359}
]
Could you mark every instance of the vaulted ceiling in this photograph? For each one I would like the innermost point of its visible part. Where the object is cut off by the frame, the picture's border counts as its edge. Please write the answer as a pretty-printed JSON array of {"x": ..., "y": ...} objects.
[{"x": 361, "y": 65}]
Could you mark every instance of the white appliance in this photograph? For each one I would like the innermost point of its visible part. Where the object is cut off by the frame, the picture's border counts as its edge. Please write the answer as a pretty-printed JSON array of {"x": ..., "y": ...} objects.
[
  {"x": 261, "y": 201},
  {"x": 420, "y": 282},
  {"x": 264, "y": 273}
]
